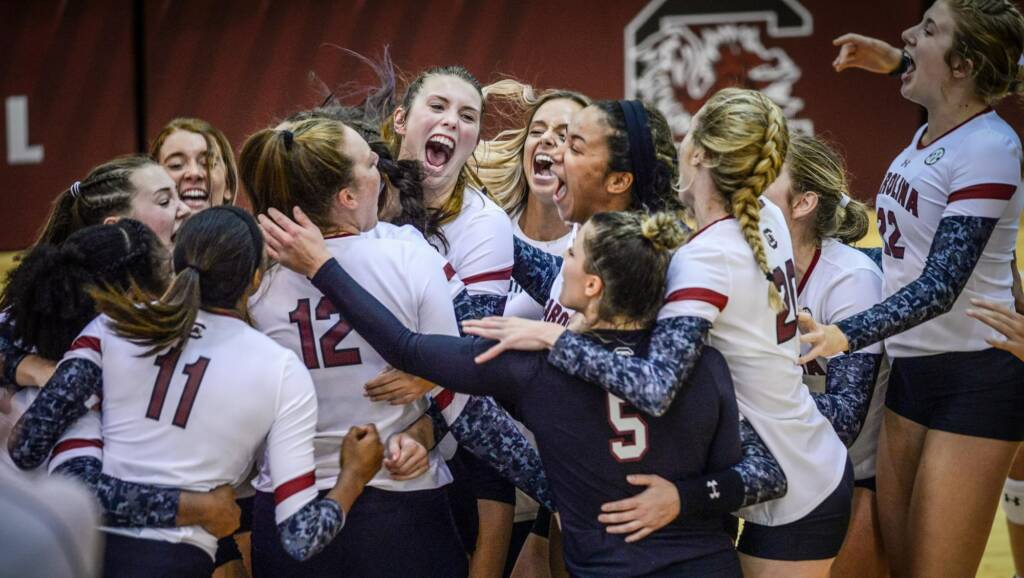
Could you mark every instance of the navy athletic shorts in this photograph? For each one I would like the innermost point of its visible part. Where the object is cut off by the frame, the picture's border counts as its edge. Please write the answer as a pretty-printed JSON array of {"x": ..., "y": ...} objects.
[
  {"x": 817, "y": 536},
  {"x": 385, "y": 534},
  {"x": 974, "y": 393},
  {"x": 125, "y": 557}
]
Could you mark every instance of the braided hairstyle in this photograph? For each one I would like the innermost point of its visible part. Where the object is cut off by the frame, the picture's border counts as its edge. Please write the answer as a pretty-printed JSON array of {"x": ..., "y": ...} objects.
[
  {"x": 46, "y": 297},
  {"x": 105, "y": 192},
  {"x": 745, "y": 138},
  {"x": 666, "y": 166}
]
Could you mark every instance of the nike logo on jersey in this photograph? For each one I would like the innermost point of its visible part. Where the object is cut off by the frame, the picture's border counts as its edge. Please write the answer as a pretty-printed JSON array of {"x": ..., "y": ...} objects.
[{"x": 899, "y": 189}]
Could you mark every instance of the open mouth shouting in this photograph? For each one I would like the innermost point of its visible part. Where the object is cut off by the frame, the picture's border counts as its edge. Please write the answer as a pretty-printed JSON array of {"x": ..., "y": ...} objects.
[
  {"x": 911, "y": 67},
  {"x": 542, "y": 173},
  {"x": 439, "y": 150},
  {"x": 196, "y": 198}
]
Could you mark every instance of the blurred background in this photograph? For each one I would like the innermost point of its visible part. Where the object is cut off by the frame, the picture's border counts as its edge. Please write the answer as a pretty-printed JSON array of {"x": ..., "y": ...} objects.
[{"x": 86, "y": 80}]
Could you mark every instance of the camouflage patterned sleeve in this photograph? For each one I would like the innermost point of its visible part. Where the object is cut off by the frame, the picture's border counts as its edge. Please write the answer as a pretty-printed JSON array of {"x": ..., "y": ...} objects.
[
  {"x": 306, "y": 532},
  {"x": 59, "y": 404},
  {"x": 956, "y": 249},
  {"x": 849, "y": 384},
  {"x": 125, "y": 504},
  {"x": 477, "y": 306},
  {"x": 648, "y": 382},
  {"x": 535, "y": 270}
]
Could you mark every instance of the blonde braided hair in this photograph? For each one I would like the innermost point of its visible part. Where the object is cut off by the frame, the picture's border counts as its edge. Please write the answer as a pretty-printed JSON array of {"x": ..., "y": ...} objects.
[{"x": 745, "y": 138}]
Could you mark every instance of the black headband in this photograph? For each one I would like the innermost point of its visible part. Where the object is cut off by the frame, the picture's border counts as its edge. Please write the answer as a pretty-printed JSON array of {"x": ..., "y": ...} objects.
[{"x": 641, "y": 148}]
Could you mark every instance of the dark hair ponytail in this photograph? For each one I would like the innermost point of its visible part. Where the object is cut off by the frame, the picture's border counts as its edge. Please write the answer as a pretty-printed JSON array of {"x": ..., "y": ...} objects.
[
  {"x": 46, "y": 297},
  {"x": 216, "y": 254}
]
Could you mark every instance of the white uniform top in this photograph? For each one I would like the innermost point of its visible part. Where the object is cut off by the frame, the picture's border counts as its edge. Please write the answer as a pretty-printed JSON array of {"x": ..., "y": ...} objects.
[
  {"x": 196, "y": 420},
  {"x": 520, "y": 304},
  {"x": 554, "y": 311},
  {"x": 714, "y": 277},
  {"x": 973, "y": 170},
  {"x": 480, "y": 245},
  {"x": 406, "y": 279},
  {"x": 840, "y": 282}
]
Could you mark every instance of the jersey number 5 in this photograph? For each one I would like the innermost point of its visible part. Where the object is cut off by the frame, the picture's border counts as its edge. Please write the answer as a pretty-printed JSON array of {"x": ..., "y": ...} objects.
[
  {"x": 785, "y": 282},
  {"x": 332, "y": 356},
  {"x": 633, "y": 444},
  {"x": 195, "y": 372}
]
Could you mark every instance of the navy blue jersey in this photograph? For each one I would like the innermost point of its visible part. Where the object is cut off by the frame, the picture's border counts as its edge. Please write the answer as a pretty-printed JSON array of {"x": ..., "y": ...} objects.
[{"x": 589, "y": 440}]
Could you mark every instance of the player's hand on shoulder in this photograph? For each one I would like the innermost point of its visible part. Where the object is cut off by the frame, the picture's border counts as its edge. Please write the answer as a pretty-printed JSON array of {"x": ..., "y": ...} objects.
[
  {"x": 825, "y": 340},
  {"x": 1009, "y": 323},
  {"x": 649, "y": 511},
  {"x": 361, "y": 452},
  {"x": 406, "y": 458},
  {"x": 396, "y": 387},
  {"x": 219, "y": 512},
  {"x": 871, "y": 54},
  {"x": 513, "y": 333},
  {"x": 298, "y": 245}
]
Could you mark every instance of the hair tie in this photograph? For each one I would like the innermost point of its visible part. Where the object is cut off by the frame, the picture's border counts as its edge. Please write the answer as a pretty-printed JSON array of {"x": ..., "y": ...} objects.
[
  {"x": 641, "y": 147},
  {"x": 76, "y": 189},
  {"x": 769, "y": 277},
  {"x": 1020, "y": 61},
  {"x": 289, "y": 139},
  {"x": 844, "y": 200}
]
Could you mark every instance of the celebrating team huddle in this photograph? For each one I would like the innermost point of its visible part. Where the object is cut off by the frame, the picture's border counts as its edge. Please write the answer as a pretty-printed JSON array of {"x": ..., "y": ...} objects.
[{"x": 576, "y": 348}]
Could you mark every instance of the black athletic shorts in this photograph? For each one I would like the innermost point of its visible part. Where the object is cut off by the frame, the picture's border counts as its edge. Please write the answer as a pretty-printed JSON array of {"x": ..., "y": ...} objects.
[
  {"x": 974, "y": 393},
  {"x": 125, "y": 557},
  {"x": 817, "y": 536}
]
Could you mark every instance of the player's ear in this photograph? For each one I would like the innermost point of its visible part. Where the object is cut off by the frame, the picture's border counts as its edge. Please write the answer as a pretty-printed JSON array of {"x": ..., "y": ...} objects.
[
  {"x": 618, "y": 182},
  {"x": 400, "y": 121},
  {"x": 593, "y": 286},
  {"x": 346, "y": 199},
  {"x": 804, "y": 204}
]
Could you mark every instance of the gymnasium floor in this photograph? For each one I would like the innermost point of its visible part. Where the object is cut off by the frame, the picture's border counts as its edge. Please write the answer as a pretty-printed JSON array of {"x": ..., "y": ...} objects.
[{"x": 997, "y": 563}]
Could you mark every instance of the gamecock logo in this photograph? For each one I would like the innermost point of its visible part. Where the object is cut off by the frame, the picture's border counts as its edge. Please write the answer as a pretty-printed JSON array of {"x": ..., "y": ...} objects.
[{"x": 680, "y": 52}]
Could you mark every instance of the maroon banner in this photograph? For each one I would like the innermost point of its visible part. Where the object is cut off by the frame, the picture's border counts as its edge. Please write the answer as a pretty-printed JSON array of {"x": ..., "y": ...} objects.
[{"x": 243, "y": 65}]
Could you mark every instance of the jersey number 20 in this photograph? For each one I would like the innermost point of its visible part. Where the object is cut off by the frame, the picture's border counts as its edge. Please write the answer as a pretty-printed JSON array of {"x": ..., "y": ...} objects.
[
  {"x": 785, "y": 282},
  {"x": 632, "y": 445},
  {"x": 332, "y": 356}
]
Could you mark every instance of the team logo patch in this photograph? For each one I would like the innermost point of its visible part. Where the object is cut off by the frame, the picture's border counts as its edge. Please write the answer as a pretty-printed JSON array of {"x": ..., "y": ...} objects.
[
  {"x": 935, "y": 156},
  {"x": 680, "y": 52},
  {"x": 770, "y": 236}
]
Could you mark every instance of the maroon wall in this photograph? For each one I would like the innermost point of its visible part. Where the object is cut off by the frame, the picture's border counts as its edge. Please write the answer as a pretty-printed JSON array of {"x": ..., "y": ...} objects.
[{"x": 244, "y": 64}]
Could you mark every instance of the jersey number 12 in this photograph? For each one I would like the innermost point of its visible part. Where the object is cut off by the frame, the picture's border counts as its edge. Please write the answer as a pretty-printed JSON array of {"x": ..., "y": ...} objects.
[{"x": 332, "y": 356}]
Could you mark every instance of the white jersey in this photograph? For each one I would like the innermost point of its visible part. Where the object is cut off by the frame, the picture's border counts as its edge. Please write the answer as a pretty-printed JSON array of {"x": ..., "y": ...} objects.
[
  {"x": 554, "y": 311},
  {"x": 479, "y": 245},
  {"x": 406, "y": 279},
  {"x": 840, "y": 282},
  {"x": 714, "y": 277},
  {"x": 520, "y": 304},
  {"x": 196, "y": 419},
  {"x": 973, "y": 170}
]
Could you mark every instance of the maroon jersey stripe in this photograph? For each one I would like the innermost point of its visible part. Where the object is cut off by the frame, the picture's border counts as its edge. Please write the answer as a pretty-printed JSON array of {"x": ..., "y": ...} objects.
[
  {"x": 995, "y": 191},
  {"x": 697, "y": 294},
  {"x": 503, "y": 275},
  {"x": 294, "y": 486}
]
